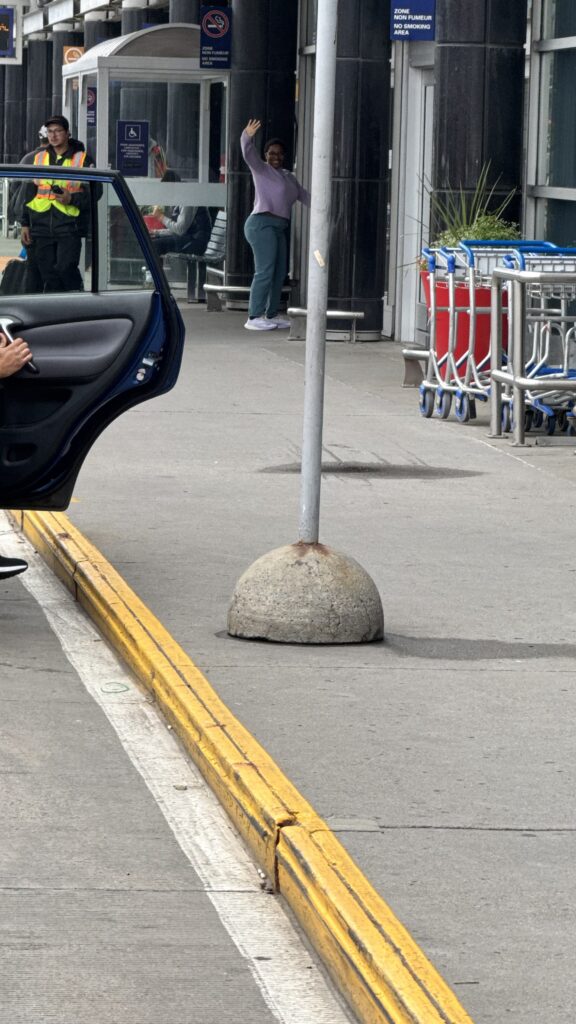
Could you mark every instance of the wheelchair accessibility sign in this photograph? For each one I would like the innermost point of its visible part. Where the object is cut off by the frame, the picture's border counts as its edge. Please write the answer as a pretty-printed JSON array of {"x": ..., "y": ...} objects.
[
  {"x": 215, "y": 36},
  {"x": 132, "y": 143}
]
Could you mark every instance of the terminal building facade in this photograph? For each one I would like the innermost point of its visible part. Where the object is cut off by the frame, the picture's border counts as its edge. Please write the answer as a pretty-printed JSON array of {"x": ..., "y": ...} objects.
[{"x": 491, "y": 83}]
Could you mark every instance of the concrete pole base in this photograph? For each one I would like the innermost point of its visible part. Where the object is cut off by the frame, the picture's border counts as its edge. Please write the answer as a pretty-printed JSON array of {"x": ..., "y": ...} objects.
[{"x": 306, "y": 594}]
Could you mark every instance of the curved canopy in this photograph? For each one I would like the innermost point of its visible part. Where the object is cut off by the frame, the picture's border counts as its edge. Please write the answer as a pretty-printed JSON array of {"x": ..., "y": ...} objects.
[{"x": 174, "y": 40}]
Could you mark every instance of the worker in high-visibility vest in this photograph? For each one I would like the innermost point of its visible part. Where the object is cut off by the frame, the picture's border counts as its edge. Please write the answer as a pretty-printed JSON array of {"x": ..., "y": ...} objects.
[{"x": 54, "y": 212}]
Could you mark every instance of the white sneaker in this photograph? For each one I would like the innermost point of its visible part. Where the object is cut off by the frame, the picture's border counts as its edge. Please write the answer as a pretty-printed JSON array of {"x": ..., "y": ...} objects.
[
  {"x": 259, "y": 323},
  {"x": 280, "y": 322}
]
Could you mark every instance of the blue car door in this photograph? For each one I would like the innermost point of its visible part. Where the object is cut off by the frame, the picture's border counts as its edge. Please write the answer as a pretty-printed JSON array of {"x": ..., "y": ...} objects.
[{"x": 105, "y": 339}]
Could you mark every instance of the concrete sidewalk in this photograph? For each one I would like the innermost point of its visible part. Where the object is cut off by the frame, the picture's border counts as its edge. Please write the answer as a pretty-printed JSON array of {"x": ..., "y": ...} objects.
[{"x": 443, "y": 758}]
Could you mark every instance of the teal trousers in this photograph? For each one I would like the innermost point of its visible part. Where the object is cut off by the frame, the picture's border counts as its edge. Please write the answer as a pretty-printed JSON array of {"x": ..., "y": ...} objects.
[{"x": 268, "y": 239}]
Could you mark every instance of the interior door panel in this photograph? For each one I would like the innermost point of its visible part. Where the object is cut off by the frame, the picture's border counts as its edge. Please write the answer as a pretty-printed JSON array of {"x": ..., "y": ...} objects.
[
  {"x": 98, "y": 351},
  {"x": 77, "y": 350}
]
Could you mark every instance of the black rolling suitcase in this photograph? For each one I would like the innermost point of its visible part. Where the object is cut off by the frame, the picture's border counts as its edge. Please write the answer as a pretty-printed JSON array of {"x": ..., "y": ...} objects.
[{"x": 19, "y": 278}]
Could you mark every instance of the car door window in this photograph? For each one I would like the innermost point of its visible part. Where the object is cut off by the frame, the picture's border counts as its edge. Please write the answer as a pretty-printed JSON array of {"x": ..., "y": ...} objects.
[
  {"x": 88, "y": 245},
  {"x": 91, "y": 301}
]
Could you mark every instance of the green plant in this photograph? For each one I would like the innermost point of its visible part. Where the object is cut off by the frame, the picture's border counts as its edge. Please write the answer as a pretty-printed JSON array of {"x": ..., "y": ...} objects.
[{"x": 469, "y": 216}]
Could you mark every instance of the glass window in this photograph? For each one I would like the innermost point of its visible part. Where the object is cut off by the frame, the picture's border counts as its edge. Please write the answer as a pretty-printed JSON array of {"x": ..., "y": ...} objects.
[
  {"x": 171, "y": 117},
  {"x": 310, "y": 23},
  {"x": 84, "y": 242},
  {"x": 557, "y": 155},
  {"x": 558, "y": 19},
  {"x": 559, "y": 222}
]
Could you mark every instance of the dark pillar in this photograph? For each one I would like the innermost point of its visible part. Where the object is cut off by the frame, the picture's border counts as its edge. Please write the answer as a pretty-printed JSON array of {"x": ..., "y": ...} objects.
[
  {"x": 187, "y": 12},
  {"x": 97, "y": 29},
  {"x": 183, "y": 106},
  {"x": 479, "y": 94},
  {"x": 140, "y": 100},
  {"x": 39, "y": 88},
  {"x": 261, "y": 86},
  {"x": 132, "y": 18},
  {"x": 360, "y": 164},
  {"x": 61, "y": 37},
  {"x": 15, "y": 111}
]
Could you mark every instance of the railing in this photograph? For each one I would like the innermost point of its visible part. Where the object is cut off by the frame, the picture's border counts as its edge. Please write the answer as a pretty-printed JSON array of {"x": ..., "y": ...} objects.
[{"x": 524, "y": 376}]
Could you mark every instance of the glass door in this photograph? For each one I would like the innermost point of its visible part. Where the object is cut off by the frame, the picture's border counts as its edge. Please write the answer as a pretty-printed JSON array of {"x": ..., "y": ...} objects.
[{"x": 413, "y": 174}]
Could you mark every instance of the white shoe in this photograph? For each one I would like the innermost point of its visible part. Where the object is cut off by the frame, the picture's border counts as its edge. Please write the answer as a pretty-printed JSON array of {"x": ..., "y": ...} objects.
[
  {"x": 280, "y": 322},
  {"x": 259, "y": 323}
]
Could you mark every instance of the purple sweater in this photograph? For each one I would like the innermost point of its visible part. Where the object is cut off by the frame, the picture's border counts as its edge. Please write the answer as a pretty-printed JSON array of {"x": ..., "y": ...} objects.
[{"x": 276, "y": 190}]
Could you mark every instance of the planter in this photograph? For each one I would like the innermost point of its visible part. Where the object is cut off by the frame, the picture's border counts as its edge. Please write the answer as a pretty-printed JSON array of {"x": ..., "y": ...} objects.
[{"x": 482, "y": 340}]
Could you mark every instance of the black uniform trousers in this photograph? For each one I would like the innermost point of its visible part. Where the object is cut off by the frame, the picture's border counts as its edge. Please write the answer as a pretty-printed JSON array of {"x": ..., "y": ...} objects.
[{"x": 56, "y": 258}]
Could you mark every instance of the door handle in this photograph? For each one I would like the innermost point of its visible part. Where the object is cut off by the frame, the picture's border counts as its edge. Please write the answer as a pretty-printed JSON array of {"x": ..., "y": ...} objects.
[{"x": 5, "y": 326}]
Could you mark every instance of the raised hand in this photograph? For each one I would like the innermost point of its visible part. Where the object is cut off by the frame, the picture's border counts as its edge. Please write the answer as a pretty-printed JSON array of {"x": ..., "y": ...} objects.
[{"x": 252, "y": 127}]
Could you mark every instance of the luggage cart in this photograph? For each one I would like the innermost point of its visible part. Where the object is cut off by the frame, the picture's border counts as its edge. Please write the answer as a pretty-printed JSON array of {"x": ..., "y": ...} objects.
[
  {"x": 549, "y": 344},
  {"x": 532, "y": 387},
  {"x": 439, "y": 384},
  {"x": 481, "y": 259},
  {"x": 457, "y": 287}
]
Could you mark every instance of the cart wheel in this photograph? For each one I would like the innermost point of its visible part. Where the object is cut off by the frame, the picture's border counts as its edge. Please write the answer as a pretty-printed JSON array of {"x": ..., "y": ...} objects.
[
  {"x": 462, "y": 408},
  {"x": 537, "y": 418},
  {"x": 549, "y": 424},
  {"x": 570, "y": 430},
  {"x": 506, "y": 419},
  {"x": 443, "y": 404},
  {"x": 426, "y": 402},
  {"x": 472, "y": 409},
  {"x": 528, "y": 413},
  {"x": 561, "y": 419}
]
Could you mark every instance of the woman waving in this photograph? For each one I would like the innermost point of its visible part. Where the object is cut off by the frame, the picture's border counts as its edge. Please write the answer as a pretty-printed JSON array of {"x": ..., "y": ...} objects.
[{"x": 267, "y": 227}]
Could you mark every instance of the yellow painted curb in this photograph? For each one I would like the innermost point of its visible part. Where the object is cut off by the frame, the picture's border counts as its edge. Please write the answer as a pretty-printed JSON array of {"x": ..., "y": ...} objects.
[{"x": 374, "y": 961}]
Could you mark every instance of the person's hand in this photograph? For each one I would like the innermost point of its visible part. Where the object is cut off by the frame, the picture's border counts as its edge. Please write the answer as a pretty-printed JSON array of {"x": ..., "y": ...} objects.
[
  {"x": 157, "y": 211},
  {"x": 25, "y": 235},
  {"x": 13, "y": 355},
  {"x": 252, "y": 127}
]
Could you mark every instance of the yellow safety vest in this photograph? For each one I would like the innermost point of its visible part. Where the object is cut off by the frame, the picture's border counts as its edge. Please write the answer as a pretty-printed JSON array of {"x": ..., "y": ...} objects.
[{"x": 45, "y": 198}]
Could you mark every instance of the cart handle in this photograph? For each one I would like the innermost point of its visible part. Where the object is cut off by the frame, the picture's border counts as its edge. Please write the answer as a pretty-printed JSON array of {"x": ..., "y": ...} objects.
[
  {"x": 430, "y": 256},
  {"x": 518, "y": 254},
  {"x": 498, "y": 243}
]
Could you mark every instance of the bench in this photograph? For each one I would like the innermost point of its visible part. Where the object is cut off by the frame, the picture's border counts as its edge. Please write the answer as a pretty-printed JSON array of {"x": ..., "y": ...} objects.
[
  {"x": 414, "y": 360},
  {"x": 215, "y": 292},
  {"x": 298, "y": 316},
  {"x": 196, "y": 266}
]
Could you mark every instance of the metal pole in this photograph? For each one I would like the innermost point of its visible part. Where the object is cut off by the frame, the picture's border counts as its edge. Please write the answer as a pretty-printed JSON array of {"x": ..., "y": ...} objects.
[
  {"x": 496, "y": 356},
  {"x": 317, "y": 293},
  {"x": 519, "y": 359}
]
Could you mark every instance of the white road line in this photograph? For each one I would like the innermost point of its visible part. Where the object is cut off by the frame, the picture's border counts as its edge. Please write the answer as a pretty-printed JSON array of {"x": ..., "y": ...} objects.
[{"x": 292, "y": 983}]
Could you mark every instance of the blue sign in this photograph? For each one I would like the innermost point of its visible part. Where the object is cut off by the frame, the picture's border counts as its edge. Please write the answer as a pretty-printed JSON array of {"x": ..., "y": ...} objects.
[
  {"x": 7, "y": 33},
  {"x": 215, "y": 36},
  {"x": 132, "y": 148},
  {"x": 91, "y": 106},
  {"x": 412, "y": 19}
]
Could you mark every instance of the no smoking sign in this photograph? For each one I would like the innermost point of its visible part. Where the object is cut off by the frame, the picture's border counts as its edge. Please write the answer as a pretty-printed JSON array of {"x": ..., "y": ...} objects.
[
  {"x": 215, "y": 23},
  {"x": 215, "y": 36}
]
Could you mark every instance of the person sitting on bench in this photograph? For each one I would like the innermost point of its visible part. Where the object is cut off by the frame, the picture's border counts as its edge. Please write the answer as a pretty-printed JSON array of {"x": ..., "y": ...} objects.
[{"x": 186, "y": 228}]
